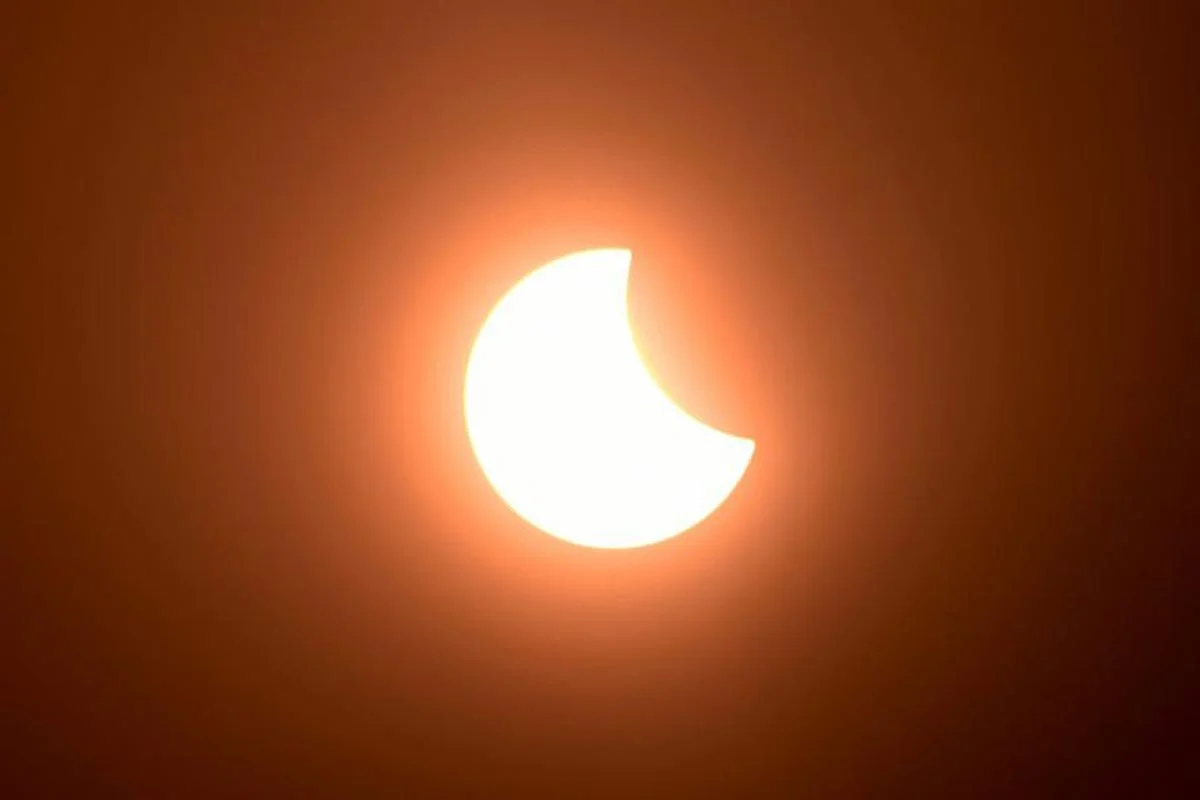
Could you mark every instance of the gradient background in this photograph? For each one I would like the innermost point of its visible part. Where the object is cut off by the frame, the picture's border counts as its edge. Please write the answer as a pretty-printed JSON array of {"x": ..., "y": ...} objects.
[{"x": 932, "y": 259}]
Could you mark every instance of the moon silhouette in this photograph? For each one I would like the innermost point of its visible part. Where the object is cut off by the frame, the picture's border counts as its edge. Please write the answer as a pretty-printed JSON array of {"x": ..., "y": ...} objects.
[{"x": 569, "y": 426}]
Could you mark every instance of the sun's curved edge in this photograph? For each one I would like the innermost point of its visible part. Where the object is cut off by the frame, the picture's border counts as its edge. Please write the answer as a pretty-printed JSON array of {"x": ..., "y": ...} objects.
[{"x": 626, "y": 256}]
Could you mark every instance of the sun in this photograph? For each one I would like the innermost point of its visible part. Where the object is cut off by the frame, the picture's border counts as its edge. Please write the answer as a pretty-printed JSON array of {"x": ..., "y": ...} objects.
[{"x": 569, "y": 426}]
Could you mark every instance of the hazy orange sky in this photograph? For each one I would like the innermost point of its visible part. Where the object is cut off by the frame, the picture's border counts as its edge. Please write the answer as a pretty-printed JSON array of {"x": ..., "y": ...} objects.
[{"x": 930, "y": 259}]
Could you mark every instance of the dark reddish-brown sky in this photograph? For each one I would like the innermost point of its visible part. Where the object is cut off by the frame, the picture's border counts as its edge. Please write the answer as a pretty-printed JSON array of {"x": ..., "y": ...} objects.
[{"x": 931, "y": 258}]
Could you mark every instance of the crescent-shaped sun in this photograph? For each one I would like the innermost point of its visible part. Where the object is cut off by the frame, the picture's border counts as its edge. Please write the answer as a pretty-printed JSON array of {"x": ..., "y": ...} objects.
[{"x": 568, "y": 424}]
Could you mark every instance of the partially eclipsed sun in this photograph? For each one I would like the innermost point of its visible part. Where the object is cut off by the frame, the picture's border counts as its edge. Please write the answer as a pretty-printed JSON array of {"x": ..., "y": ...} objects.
[{"x": 569, "y": 426}]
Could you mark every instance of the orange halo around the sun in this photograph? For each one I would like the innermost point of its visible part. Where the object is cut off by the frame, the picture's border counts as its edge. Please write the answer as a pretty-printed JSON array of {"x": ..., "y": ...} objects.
[{"x": 569, "y": 426}]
